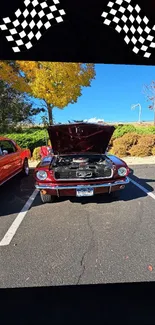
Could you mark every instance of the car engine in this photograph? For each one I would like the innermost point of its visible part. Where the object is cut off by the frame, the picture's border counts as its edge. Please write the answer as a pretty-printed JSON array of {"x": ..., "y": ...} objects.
[{"x": 82, "y": 167}]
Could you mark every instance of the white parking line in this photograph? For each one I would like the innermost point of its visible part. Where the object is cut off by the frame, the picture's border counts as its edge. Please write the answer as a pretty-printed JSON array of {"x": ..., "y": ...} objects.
[
  {"x": 143, "y": 189},
  {"x": 15, "y": 225}
]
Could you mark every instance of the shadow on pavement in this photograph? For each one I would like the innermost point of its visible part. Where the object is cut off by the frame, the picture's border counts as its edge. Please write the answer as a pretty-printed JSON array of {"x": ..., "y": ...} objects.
[
  {"x": 124, "y": 303},
  {"x": 142, "y": 181},
  {"x": 16, "y": 192}
]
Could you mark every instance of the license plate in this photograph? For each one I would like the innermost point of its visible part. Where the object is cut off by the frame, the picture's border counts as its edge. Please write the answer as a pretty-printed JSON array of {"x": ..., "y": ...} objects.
[{"x": 85, "y": 192}]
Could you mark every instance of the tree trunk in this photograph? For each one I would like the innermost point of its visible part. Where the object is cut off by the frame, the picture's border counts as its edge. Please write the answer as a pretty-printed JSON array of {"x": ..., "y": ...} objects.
[{"x": 50, "y": 114}]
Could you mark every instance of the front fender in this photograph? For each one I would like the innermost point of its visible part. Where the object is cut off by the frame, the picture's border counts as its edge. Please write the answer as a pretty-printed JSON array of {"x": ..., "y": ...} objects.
[
  {"x": 118, "y": 162},
  {"x": 25, "y": 153}
]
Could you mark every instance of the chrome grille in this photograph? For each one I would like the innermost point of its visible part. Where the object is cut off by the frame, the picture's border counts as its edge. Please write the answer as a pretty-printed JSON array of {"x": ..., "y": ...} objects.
[{"x": 83, "y": 174}]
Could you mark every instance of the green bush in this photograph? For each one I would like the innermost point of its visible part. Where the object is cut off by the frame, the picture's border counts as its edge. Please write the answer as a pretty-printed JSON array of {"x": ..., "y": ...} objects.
[
  {"x": 36, "y": 154},
  {"x": 125, "y": 138},
  {"x": 122, "y": 129},
  {"x": 29, "y": 139},
  {"x": 145, "y": 130}
]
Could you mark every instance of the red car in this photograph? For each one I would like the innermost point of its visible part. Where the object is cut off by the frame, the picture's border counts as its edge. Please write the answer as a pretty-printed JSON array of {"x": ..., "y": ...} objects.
[
  {"x": 45, "y": 151},
  {"x": 79, "y": 165},
  {"x": 13, "y": 159}
]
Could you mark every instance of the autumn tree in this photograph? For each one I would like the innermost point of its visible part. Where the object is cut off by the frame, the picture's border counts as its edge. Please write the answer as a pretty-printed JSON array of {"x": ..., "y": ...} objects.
[
  {"x": 14, "y": 107},
  {"x": 10, "y": 73},
  {"x": 56, "y": 84},
  {"x": 149, "y": 91}
]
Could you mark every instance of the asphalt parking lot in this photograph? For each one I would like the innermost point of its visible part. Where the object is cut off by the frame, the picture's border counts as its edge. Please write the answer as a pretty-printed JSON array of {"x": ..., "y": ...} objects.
[{"x": 77, "y": 241}]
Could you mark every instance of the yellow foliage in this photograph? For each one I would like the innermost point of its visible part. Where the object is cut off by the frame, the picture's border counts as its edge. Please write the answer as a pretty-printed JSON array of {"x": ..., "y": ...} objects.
[
  {"x": 58, "y": 83},
  {"x": 9, "y": 74}
]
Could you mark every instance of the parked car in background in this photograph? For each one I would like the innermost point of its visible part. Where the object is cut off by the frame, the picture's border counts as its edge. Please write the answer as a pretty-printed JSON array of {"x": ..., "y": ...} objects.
[
  {"x": 45, "y": 151},
  {"x": 13, "y": 160},
  {"x": 80, "y": 165}
]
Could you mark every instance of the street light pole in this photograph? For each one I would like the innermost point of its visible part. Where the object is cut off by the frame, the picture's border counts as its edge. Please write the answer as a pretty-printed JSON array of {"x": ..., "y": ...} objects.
[{"x": 140, "y": 111}]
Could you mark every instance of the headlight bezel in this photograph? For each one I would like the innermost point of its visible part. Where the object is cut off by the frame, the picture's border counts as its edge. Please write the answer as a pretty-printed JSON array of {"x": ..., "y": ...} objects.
[
  {"x": 122, "y": 174},
  {"x": 39, "y": 175}
]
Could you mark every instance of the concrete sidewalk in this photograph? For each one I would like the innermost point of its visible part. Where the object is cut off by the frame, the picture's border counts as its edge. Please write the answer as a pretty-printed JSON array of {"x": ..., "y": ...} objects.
[{"x": 139, "y": 160}]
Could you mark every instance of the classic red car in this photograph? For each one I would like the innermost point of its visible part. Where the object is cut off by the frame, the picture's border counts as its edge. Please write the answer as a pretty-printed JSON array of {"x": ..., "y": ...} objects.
[
  {"x": 79, "y": 165},
  {"x": 13, "y": 159},
  {"x": 45, "y": 151}
]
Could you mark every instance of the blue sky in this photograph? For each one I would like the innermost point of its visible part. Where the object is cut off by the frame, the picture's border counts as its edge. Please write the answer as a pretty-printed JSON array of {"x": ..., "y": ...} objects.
[{"x": 111, "y": 95}]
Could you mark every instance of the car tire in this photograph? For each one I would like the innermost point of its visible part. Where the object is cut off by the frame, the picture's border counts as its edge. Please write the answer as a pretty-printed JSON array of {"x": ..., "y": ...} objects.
[
  {"x": 46, "y": 198},
  {"x": 26, "y": 169}
]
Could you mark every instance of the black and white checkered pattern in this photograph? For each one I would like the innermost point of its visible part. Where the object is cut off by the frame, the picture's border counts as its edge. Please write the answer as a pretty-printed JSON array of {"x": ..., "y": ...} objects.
[
  {"x": 31, "y": 22},
  {"x": 128, "y": 20}
]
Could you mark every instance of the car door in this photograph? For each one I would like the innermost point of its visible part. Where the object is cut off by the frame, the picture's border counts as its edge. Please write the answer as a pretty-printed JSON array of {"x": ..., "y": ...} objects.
[
  {"x": 10, "y": 160},
  {"x": 3, "y": 162},
  {"x": 5, "y": 167}
]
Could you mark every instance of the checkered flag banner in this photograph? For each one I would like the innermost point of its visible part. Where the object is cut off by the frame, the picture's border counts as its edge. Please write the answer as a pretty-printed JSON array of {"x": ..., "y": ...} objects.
[
  {"x": 30, "y": 22},
  {"x": 128, "y": 20}
]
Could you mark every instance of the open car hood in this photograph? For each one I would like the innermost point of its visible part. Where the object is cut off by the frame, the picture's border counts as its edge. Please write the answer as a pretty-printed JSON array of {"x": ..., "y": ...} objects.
[{"x": 80, "y": 138}]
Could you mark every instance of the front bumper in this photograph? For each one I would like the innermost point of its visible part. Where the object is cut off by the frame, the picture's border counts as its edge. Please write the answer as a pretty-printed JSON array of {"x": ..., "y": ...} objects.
[{"x": 108, "y": 186}]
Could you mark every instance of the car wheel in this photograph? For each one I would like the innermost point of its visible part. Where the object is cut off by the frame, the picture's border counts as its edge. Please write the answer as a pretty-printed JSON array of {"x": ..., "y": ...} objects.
[
  {"x": 26, "y": 168},
  {"x": 46, "y": 198}
]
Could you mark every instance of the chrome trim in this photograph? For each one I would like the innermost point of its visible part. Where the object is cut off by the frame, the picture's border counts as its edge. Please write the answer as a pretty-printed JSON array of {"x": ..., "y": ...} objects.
[
  {"x": 85, "y": 174},
  {"x": 10, "y": 177},
  {"x": 84, "y": 179},
  {"x": 74, "y": 187}
]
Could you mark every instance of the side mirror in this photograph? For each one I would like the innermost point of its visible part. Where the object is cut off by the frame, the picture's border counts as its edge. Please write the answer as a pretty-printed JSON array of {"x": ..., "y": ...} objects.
[{"x": 5, "y": 152}]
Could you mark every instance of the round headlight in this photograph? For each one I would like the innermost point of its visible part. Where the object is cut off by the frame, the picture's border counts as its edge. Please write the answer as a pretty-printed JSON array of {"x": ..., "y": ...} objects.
[
  {"x": 41, "y": 175},
  {"x": 122, "y": 171}
]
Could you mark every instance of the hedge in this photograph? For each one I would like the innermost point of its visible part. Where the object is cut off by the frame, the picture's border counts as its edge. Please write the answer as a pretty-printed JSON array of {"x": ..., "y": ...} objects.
[
  {"x": 140, "y": 151},
  {"x": 120, "y": 130},
  {"x": 153, "y": 151},
  {"x": 147, "y": 140},
  {"x": 29, "y": 139},
  {"x": 118, "y": 150},
  {"x": 122, "y": 145},
  {"x": 125, "y": 137},
  {"x": 132, "y": 144}
]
